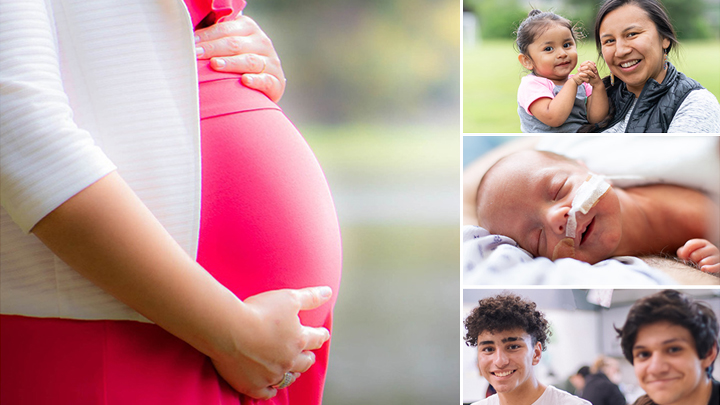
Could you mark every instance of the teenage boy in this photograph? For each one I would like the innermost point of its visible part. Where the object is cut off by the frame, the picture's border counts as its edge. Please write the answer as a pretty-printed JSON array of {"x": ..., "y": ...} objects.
[
  {"x": 672, "y": 342},
  {"x": 511, "y": 334}
]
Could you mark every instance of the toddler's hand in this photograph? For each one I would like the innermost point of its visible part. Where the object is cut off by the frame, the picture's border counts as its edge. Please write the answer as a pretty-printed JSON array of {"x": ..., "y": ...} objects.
[
  {"x": 703, "y": 253},
  {"x": 580, "y": 78},
  {"x": 589, "y": 71}
]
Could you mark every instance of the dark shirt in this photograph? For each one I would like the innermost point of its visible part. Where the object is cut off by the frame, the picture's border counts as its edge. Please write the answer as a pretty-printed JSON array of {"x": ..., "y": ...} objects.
[{"x": 599, "y": 390}]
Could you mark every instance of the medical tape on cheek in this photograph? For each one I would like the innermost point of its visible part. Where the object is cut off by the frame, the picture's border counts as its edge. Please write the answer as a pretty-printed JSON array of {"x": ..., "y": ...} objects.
[
  {"x": 564, "y": 248},
  {"x": 586, "y": 197}
]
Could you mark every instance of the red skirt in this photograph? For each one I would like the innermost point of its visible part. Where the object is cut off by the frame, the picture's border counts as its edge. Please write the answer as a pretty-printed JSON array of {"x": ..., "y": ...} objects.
[{"x": 267, "y": 222}]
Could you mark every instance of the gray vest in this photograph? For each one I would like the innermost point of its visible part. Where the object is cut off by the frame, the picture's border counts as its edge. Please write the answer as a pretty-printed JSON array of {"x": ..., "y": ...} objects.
[{"x": 655, "y": 108}]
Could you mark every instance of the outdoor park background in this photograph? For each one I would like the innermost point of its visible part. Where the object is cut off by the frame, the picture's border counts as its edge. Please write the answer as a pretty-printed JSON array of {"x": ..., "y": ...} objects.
[
  {"x": 374, "y": 87},
  {"x": 491, "y": 71}
]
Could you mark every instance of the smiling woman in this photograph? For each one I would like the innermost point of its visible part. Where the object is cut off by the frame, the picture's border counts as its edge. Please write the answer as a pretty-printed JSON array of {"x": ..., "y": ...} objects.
[{"x": 646, "y": 92}]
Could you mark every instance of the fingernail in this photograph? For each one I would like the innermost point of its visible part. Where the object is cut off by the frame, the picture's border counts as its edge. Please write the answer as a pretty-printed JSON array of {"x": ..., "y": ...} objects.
[
  {"x": 218, "y": 63},
  {"x": 199, "y": 51},
  {"x": 249, "y": 80},
  {"x": 197, "y": 39},
  {"x": 325, "y": 292}
]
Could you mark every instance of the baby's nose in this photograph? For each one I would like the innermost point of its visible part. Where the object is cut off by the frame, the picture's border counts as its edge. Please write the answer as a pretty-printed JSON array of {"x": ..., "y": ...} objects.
[{"x": 557, "y": 218}]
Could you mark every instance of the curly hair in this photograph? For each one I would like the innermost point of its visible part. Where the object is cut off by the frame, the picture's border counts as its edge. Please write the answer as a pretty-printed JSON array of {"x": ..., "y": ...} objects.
[
  {"x": 504, "y": 312},
  {"x": 677, "y": 308}
]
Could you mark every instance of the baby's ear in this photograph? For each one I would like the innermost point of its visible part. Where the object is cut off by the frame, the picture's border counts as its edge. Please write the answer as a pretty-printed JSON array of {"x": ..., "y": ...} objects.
[{"x": 525, "y": 61}]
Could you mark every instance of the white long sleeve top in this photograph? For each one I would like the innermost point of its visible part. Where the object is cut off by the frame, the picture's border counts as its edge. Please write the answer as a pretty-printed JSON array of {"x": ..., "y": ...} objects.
[{"x": 88, "y": 87}]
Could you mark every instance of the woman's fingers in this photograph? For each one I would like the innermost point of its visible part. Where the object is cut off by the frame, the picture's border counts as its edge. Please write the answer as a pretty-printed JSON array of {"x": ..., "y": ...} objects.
[
  {"x": 234, "y": 45},
  {"x": 312, "y": 297},
  {"x": 266, "y": 83},
  {"x": 272, "y": 341},
  {"x": 241, "y": 26},
  {"x": 245, "y": 63},
  {"x": 241, "y": 47},
  {"x": 304, "y": 361},
  {"x": 259, "y": 72},
  {"x": 315, "y": 337},
  {"x": 264, "y": 393}
]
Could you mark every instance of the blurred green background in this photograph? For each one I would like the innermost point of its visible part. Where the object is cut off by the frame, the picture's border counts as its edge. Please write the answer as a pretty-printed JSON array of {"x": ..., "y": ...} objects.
[
  {"x": 491, "y": 71},
  {"x": 374, "y": 88}
]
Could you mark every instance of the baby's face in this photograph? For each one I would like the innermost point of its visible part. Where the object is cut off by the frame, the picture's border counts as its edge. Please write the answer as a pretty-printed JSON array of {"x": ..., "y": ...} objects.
[
  {"x": 527, "y": 197},
  {"x": 553, "y": 54}
]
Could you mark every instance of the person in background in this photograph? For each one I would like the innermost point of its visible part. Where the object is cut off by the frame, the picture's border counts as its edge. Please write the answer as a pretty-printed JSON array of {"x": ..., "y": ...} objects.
[
  {"x": 577, "y": 380},
  {"x": 601, "y": 385}
]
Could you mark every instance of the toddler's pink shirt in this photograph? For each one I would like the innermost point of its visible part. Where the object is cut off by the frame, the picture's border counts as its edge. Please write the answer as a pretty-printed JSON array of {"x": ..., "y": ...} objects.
[{"x": 533, "y": 88}]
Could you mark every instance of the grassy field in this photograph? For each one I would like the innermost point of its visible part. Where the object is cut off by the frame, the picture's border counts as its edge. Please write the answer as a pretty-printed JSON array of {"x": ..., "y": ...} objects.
[{"x": 491, "y": 74}]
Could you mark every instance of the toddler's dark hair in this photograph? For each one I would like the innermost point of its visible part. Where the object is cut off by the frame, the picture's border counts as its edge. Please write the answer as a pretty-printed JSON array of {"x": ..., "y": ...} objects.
[{"x": 536, "y": 23}]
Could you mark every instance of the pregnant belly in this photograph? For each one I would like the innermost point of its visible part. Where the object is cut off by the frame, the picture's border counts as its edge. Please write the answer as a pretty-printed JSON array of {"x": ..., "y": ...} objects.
[{"x": 267, "y": 219}]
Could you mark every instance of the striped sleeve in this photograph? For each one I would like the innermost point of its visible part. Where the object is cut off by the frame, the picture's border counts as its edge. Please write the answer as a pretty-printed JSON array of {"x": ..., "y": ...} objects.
[{"x": 44, "y": 157}]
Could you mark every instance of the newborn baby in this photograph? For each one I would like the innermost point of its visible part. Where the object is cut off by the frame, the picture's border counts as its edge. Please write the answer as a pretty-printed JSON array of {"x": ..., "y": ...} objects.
[{"x": 555, "y": 207}]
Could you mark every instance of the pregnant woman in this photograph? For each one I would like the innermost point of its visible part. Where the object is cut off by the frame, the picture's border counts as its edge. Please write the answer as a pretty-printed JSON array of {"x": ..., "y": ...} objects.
[{"x": 100, "y": 109}]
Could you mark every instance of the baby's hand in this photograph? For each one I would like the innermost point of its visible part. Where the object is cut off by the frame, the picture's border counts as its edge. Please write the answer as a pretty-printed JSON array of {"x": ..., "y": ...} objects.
[{"x": 703, "y": 253}]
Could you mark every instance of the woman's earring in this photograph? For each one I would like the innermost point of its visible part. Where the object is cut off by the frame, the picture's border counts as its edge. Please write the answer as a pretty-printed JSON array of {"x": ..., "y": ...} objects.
[
  {"x": 665, "y": 58},
  {"x": 612, "y": 79}
]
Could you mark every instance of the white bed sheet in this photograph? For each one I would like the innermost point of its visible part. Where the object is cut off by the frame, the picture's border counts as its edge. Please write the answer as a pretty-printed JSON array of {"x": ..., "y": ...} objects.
[{"x": 497, "y": 260}]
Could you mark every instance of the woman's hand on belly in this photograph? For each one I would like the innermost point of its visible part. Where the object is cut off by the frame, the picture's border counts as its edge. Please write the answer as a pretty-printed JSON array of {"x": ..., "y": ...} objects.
[
  {"x": 270, "y": 340},
  {"x": 240, "y": 46}
]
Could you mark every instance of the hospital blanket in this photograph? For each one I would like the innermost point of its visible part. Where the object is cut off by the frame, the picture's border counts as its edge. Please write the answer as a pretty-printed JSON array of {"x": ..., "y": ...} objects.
[{"x": 496, "y": 260}]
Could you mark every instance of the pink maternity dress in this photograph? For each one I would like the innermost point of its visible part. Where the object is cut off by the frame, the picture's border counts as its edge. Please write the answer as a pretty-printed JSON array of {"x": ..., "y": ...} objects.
[{"x": 267, "y": 222}]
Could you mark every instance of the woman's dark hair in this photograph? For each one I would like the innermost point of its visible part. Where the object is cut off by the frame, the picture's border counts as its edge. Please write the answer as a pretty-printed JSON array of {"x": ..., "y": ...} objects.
[
  {"x": 678, "y": 309},
  {"x": 504, "y": 312},
  {"x": 654, "y": 9},
  {"x": 536, "y": 23}
]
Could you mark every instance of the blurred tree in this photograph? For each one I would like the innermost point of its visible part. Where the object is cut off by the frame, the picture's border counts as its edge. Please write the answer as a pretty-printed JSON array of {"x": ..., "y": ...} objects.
[
  {"x": 689, "y": 17},
  {"x": 692, "y": 19},
  {"x": 391, "y": 60},
  {"x": 498, "y": 18}
]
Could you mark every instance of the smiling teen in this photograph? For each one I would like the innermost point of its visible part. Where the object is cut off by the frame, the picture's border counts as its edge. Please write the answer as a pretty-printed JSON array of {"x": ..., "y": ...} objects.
[
  {"x": 672, "y": 342},
  {"x": 511, "y": 334}
]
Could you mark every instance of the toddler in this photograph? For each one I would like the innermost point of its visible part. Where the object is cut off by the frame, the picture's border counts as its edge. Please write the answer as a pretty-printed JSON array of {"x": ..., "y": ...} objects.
[
  {"x": 554, "y": 207},
  {"x": 550, "y": 99}
]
